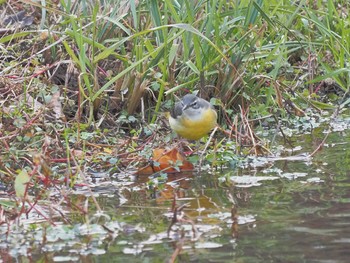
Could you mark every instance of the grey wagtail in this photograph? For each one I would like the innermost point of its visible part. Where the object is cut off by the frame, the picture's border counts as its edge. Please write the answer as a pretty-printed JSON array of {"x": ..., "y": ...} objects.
[{"x": 192, "y": 117}]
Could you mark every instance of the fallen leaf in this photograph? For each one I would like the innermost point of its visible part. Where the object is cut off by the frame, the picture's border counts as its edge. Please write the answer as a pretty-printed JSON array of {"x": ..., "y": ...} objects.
[
  {"x": 21, "y": 181},
  {"x": 168, "y": 161}
]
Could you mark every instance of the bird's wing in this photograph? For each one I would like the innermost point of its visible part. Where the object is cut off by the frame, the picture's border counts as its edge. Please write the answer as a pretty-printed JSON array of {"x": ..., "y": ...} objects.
[{"x": 177, "y": 110}]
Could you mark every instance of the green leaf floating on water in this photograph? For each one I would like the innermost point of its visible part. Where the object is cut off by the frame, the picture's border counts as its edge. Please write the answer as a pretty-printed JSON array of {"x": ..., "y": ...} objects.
[{"x": 21, "y": 182}]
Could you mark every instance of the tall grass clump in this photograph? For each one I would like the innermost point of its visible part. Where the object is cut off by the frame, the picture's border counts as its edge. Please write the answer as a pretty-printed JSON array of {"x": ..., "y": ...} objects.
[{"x": 258, "y": 59}]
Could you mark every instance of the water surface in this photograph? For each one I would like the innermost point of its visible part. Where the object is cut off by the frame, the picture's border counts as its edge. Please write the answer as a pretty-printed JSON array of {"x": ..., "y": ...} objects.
[{"x": 275, "y": 210}]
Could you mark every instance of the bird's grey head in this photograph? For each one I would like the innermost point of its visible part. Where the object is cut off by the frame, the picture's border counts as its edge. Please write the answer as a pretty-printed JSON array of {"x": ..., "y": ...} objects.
[{"x": 190, "y": 101}]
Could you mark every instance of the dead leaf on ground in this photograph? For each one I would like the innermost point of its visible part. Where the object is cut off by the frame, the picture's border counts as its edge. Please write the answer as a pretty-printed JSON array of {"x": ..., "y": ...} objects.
[{"x": 168, "y": 161}]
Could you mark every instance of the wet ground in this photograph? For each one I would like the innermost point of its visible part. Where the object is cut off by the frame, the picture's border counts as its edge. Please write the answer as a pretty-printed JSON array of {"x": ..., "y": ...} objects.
[{"x": 276, "y": 210}]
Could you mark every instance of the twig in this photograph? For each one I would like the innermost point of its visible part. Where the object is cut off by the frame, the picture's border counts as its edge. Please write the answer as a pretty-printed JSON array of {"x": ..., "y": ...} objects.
[
  {"x": 320, "y": 145},
  {"x": 84, "y": 178},
  {"x": 206, "y": 146}
]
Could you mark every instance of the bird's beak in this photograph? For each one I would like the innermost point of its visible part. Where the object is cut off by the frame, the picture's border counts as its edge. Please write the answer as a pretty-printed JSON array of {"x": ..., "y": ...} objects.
[{"x": 185, "y": 107}]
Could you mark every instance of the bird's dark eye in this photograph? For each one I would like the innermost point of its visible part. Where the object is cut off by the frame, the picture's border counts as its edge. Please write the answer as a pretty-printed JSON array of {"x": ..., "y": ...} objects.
[{"x": 195, "y": 105}]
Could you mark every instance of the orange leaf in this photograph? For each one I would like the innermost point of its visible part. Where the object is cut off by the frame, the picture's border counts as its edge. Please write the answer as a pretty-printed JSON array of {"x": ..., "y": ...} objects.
[{"x": 168, "y": 161}]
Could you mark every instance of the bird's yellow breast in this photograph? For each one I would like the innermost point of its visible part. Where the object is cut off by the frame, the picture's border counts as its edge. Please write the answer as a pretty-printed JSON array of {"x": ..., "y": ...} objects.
[{"x": 194, "y": 127}]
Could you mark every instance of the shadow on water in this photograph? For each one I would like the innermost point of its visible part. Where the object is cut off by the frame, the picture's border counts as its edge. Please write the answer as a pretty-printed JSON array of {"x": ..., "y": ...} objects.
[{"x": 281, "y": 211}]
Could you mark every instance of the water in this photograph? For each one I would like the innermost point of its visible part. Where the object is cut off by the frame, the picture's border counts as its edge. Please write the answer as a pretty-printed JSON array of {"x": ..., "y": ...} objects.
[{"x": 298, "y": 212}]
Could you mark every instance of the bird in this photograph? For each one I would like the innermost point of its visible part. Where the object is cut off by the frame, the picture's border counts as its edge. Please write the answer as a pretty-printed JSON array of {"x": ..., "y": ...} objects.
[{"x": 192, "y": 117}]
